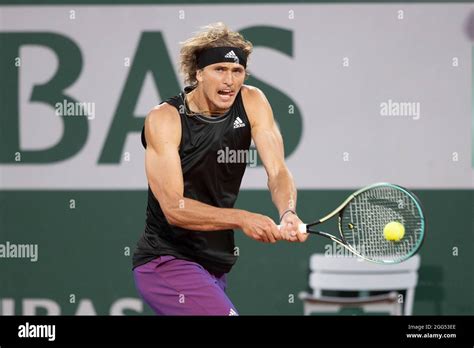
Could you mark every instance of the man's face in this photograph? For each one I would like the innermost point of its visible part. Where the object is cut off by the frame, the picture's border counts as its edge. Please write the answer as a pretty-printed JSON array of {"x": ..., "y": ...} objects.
[{"x": 220, "y": 84}]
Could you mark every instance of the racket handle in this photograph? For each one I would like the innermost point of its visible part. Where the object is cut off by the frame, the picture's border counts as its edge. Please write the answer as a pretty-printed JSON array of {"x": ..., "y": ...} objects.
[{"x": 301, "y": 228}]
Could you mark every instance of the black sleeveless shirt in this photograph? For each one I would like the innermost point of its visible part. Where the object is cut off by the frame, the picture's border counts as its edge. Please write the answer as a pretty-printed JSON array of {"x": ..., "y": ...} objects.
[{"x": 208, "y": 179}]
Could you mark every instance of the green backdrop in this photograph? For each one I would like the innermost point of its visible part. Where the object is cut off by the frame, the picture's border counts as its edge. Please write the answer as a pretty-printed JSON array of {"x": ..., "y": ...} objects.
[{"x": 82, "y": 251}]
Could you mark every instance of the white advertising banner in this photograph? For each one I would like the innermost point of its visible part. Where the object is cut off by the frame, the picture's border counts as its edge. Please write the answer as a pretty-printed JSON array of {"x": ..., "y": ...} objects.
[{"x": 381, "y": 92}]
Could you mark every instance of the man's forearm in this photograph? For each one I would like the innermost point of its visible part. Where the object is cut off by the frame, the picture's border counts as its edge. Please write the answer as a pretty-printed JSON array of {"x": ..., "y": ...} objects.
[
  {"x": 283, "y": 191},
  {"x": 194, "y": 215}
]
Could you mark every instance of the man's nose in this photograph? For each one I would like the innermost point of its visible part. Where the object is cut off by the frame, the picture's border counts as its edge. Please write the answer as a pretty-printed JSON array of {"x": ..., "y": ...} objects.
[{"x": 228, "y": 78}]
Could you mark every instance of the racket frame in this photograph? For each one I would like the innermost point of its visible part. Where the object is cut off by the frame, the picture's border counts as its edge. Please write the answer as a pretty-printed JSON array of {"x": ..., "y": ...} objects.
[{"x": 343, "y": 241}]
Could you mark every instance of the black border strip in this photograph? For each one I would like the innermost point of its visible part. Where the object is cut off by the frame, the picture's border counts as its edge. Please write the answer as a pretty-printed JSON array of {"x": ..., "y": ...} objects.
[{"x": 139, "y": 330}]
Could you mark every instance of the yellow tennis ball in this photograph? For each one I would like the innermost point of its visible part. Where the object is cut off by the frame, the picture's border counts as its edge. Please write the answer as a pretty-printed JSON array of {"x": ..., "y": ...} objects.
[{"x": 394, "y": 231}]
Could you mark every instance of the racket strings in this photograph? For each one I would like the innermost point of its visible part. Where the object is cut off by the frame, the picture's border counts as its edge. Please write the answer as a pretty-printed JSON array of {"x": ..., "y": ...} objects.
[{"x": 364, "y": 219}]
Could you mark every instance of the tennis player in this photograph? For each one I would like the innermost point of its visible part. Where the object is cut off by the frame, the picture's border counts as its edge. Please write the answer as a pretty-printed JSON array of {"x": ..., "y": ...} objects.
[{"x": 187, "y": 248}]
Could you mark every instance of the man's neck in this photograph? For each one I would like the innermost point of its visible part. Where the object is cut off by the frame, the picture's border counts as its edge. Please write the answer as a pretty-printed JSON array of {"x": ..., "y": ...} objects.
[{"x": 198, "y": 104}]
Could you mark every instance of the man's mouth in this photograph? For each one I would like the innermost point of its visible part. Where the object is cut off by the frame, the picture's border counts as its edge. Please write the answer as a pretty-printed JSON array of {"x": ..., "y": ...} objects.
[{"x": 225, "y": 94}]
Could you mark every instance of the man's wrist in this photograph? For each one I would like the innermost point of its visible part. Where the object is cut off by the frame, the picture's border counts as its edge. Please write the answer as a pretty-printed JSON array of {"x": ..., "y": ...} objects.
[
  {"x": 285, "y": 212},
  {"x": 240, "y": 217}
]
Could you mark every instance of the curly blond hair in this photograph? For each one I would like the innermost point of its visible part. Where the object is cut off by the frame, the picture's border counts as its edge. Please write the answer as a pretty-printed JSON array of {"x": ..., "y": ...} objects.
[{"x": 212, "y": 35}]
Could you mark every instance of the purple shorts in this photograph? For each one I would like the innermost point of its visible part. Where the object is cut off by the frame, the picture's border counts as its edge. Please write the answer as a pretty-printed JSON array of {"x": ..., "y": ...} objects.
[{"x": 172, "y": 286}]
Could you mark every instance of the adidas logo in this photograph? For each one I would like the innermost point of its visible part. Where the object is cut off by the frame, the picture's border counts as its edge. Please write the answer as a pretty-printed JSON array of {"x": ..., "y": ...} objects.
[
  {"x": 233, "y": 56},
  {"x": 232, "y": 312},
  {"x": 238, "y": 123}
]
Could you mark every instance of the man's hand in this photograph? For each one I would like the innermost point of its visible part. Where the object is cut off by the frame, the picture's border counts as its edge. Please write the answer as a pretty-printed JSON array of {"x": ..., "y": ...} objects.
[
  {"x": 289, "y": 228},
  {"x": 260, "y": 227}
]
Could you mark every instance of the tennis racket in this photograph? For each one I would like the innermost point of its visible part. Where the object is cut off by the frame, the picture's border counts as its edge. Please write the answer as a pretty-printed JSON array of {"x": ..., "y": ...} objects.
[{"x": 382, "y": 223}]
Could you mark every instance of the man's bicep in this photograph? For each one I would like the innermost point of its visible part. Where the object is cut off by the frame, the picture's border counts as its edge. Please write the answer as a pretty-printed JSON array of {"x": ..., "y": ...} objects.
[
  {"x": 162, "y": 161},
  {"x": 165, "y": 177}
]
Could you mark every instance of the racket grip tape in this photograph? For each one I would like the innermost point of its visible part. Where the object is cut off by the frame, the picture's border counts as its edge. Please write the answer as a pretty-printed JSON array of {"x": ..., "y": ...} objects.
[{"x": 301, "y": 228}]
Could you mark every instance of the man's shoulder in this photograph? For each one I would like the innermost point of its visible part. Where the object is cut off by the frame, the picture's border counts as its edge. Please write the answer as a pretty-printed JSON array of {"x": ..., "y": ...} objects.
[
  {"x": 252, "y": 93},
  {"x": 163, "y": 113},
  {"x": 162, "y": 119},
  {"x": 254, "y": 100}
]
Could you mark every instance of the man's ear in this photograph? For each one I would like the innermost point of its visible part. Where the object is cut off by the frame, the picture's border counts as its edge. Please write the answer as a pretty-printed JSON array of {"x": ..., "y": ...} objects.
[{"x": 199, "y": 75}]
